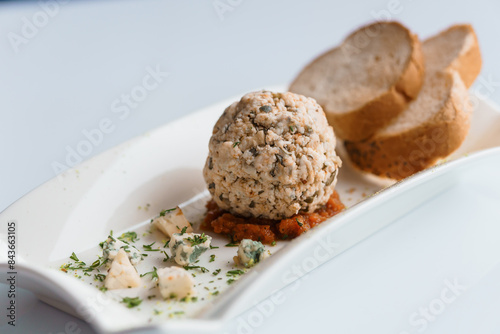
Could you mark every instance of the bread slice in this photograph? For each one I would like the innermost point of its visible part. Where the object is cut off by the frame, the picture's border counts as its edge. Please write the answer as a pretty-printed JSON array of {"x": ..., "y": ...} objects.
[
  {"x": 366, "y": 81},
  {"x": 436, "y": 123},
  {"x": 431, "y": 128},
  {"x": 455, "y": 48}
]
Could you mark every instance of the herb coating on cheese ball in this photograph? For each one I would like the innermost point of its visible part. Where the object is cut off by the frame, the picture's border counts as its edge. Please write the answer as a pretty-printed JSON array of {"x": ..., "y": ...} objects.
[{"x": 272, "y": 155}]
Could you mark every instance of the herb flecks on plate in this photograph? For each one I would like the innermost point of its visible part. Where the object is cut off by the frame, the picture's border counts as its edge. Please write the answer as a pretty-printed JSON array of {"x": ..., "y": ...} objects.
[
  {"x": 80, "y": 265},
  {"x": 128, "y": 237},
  {"x": 203, "y": 269},
  {"x": 131, "y": 302},
  {"x": 236, "y": 272},
  {"x": 153, "y": 273},
  {"x": 148, "y": 248}
]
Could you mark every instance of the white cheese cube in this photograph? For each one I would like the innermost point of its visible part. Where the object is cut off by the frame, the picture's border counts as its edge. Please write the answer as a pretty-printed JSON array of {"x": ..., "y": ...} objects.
[
  {"x": 122, "y": 274},
  {"x": 251, "y": 252},
  {"x": 186, "y": 248},
  {"x": 175, "y": 282},
  {"x": 111, "y": 246},
  {"x": 172, "y": 221}
]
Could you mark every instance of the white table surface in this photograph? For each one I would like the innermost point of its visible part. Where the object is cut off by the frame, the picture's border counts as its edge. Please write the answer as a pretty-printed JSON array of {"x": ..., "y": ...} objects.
[{"x": 64, "y": 78}]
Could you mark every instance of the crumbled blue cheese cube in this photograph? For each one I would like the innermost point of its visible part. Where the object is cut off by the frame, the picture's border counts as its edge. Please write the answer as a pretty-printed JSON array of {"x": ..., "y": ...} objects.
[
  {"x": 172, "y": 221},
  {"x": 251, "y": 252},
  {"x": 122, "y": 274},
  {"x": 111, "y": 246},
  {"x": 186, "y": 248},
  {"x": 175, "y": 282}
]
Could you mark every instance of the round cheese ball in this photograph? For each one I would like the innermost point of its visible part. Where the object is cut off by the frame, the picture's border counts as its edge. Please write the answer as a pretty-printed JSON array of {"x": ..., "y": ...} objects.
[{"x": 272, "y": 155}]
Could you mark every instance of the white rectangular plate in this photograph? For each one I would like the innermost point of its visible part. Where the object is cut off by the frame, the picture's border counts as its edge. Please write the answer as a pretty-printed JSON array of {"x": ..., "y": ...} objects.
[{"x": 123, "y": 188}]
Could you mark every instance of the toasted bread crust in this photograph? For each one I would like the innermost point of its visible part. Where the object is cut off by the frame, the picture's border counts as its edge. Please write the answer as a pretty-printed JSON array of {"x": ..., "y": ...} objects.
[
  {"x": 364, "y": 121},
  {"x": 401, "y": 155},
  {"x": 469, "y": 64},
  {"x": 413, "y": 77}
]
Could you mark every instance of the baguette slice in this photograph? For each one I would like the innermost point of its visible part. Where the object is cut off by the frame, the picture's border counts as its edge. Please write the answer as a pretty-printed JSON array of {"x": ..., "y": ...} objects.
[
  {"x": 431, "y": 128},
  {"x": 366, "y": 81},
  {"x": 437, "y": 122},
  {"x": 455, "y": 48}
]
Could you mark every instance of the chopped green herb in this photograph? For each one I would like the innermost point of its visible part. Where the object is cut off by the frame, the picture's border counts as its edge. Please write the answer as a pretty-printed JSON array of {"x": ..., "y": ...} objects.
[
  {"x": 131, "y": 302},
  {"x": 74, "y": 257},
  {"x": 236, "y": 144},
  {"x": 298, "y": 222},
  {"x": 99, "y": 277},
  {"x": 151, "y": 297},
  {"x": 162, "y": 213},
  {"x": 231, "y": 245},
  {"x": 149, "y": 249},
  {"x": 212, "y": 258},
  {"x": 184, "y": 229},
  {"x": 103, "y": 289},
  {"x": 235, "y": 272},
  {"x": 166, "y": 256},
  {"x": 166, "y": 244},
  {"x": 230, "y": 281},
  {"x": 284, "y": 237},
  {"x": 203, "y": 269},
  {"x": 80, "y": 265},
  {"x": 216, "y": 272},
  {"x": 197, "y": 239},
  {"x": 154, "y": 274},
  {"x": 128, "y": 236},
  {"x": 215, "y": 293},
  {"x": 213, "y": 247},
  {"x": 291, "y": 128},
  {"x": 273, "y": 243}
]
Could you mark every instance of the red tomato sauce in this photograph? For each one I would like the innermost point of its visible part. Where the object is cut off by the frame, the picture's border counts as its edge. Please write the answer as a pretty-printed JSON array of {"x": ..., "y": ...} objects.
[{"x": 268, "y": 231}]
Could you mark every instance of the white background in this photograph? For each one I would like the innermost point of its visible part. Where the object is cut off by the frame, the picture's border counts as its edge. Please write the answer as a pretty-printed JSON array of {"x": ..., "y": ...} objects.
[{"x": 64, "y": 79}]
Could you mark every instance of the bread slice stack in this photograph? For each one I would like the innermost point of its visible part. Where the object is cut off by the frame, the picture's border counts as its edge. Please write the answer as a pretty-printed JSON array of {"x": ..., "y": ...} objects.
[
  {"x": 429, "y": 127},
  {"x": 367, "y": 80}
]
